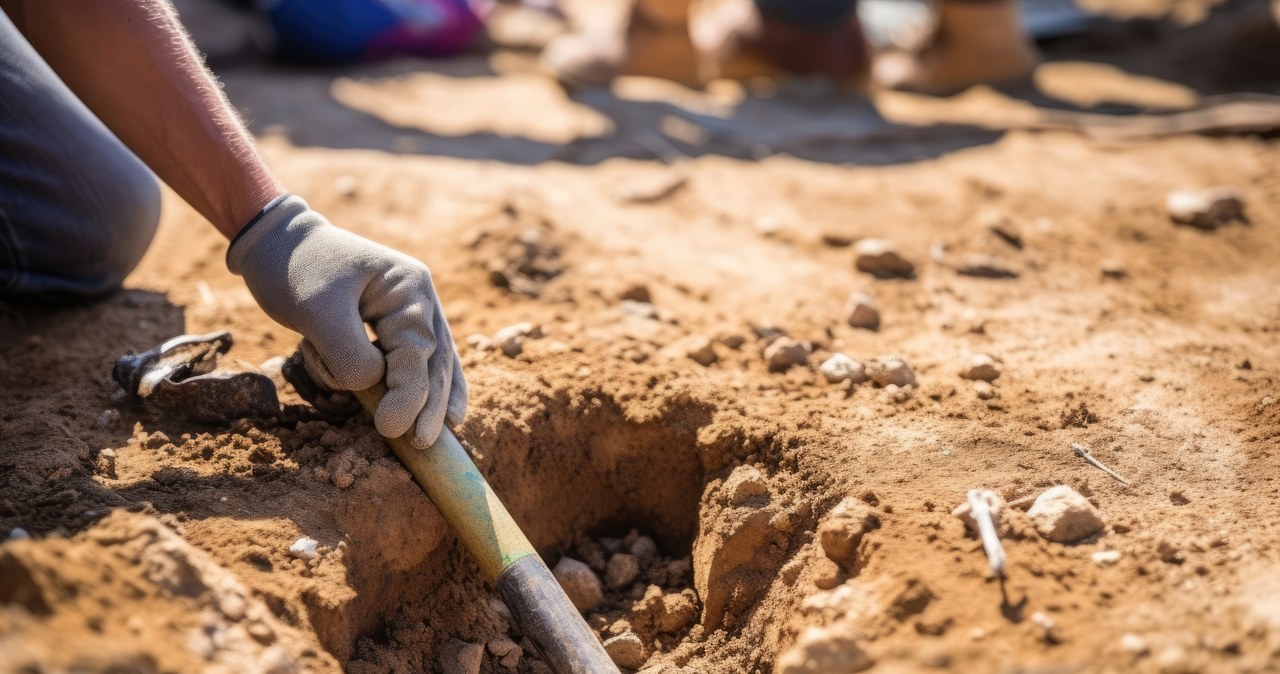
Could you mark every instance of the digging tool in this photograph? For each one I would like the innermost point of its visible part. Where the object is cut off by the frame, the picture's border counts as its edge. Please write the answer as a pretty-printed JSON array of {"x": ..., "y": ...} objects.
[{"x": 539, "y": 607}]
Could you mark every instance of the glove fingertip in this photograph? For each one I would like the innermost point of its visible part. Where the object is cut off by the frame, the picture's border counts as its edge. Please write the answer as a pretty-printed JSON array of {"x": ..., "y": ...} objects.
[{"x": 390, "y": 424}]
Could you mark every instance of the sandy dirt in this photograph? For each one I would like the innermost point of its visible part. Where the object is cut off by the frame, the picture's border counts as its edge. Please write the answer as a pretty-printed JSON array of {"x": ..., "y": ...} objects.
[{"x": 664, "y": 240}]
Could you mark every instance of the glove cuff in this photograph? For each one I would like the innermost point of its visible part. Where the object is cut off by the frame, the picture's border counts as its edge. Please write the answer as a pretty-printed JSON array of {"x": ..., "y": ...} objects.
[{"x": 276, "y": 215}]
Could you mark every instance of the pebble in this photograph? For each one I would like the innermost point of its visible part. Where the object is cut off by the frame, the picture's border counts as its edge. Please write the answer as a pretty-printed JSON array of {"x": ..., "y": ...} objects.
[
  {"x": 701, "y": 350},
  {"x": 644, "y": 550},
  {"x": 982, "y": 367},
  {"x": 890, "y": 370},
  {"x": 824, "y": 650},
  {"x": 1114, "y": 270},
  {"x": 580, "y": 583},
  {"x": 826, "y": 574},
  {"x": 510, "y": 340},
  {"x": 346, "y": 185},
  {"x": 304, "y": 548},
  {"x": 1206, "y": 209},
  {"x": 862, "y": 311},
  {"x": 843, "y": 528},
  {"x": 984, "y": 266},
  {"x": 106, "y": 464},
  {"x": 839, "y": 368},
  {"x": 622, "y": 571},
  {"x": 638, "y": 309},
  {"x": 636, "y": 292},
  {"x": 18, "y": 534},
  {"x": 785, "y": 352},
  {"x": 984, "y": 390},
  {"x": 881, "y": 259},
  {"x": 1106, "y": 557},
  {"x": 663, "y": 613},
  {"x": 109, "y": 419},
  {"x": 626, "y": 650},
  {"x": 994, "y": 503},
  {"x": 460, "y": 657},
  {"x": 1046, "y": 625},
  {"x": 1135, "y": 644},
  {"x": 506, "y": 651},
  {"x": 744, "y": 484},
  {"x": 1062, "y": 515}
]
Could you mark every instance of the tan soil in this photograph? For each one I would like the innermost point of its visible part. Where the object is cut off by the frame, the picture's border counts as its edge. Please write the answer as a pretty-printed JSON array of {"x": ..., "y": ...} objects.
[{"x": 178, "y": 561}]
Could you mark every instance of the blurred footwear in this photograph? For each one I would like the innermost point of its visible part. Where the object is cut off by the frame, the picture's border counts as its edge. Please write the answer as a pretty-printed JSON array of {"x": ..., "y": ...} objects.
[{"x": 975, "y": 42}]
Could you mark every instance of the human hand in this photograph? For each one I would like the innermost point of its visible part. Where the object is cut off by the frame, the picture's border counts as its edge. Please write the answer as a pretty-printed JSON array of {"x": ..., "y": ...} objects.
[{"x": 326, "y": 283}]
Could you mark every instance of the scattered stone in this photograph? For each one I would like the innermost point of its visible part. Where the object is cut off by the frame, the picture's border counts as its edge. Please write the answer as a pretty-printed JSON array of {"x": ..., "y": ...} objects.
[
  {"x": 1106, "y": 557},
  {"x": 155, "y": 440},
  {"x": 785, "y": 352},
  {"x": 881, "y": 259},
  {"x": 744, "y": 484},
  {"x": 1046, "y": 625},
  {"x": 768, "y": 225},
  {"x": 18, "y": 534},
  {"x": 1062, "y": 515},
  {"x": 839, "y": 368},
  {"x": 861, "y": 311},
  {"x": 510, "y": 340},
  {"x": 1174, "y": 659},
  {"x": 636, "y": 292},
  {"x": 1134, "y": 644},
  {"x": 580, "y": 583},
  {"x": 701, "y": 350},
  {"x": 644, "y": 550},
  {"x": 825, "y": 650},
  {"x": 1206, "y": 209},
  {"x": 109, "y": 419},
  {"x": 837, "y": 239},
  {"x": 626, "y": 650},
  {"x": 982, "y": 367},
  {"x": 964, "y": 514},
  {"x": 843, "y": 528},
  {"x": 1114, "y": 270},
  {"x": 622, "y": 571},
  {"x": 304, "y": 548},
  {"x": 506, "y": 651},
  {"x": 898, "y": 394},
  {"x": 346, "y": 185},
  {"x": 889, "y": 370},
  {"x": 983, "y": 390},
  {"x": 460, "y": 657},
  {"x": 826, "y": 574},
  {"x": 984, "y": 266},
  {"x": 638, "y": 309},
  {"x": 106, "y": 464},
  {"x": 662, "y": 613}
]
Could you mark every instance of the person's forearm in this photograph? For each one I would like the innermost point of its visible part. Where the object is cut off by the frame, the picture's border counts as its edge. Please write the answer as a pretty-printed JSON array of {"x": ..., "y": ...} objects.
[{"x": 133, "y": 66}]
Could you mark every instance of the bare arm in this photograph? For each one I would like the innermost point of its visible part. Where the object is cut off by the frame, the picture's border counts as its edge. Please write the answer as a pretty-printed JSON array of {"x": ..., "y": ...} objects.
[{"x": 134, "y": 67}]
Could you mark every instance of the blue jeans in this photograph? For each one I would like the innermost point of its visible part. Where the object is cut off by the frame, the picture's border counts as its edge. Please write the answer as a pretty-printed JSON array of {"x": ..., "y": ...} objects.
[{"x": 77, "y": 208}]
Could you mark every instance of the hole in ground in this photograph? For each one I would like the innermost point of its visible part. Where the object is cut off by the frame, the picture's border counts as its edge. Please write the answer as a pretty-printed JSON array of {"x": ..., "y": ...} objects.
[{"x": 572, "y": 473}]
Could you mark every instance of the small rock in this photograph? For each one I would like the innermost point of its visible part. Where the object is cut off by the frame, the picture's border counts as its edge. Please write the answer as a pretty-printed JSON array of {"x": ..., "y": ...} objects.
[
  {"x": 1174, "y": 659},
  {"x": 982, "y": 367},
  {"x": 825, "y": 650},
  {"x": 106, "y": 464},
  {"x": 273, "y": 368},
  {"x": 826, "y": 574},
  {"x": 768, "y": 225},
  {"x": 460, "y": 657},
  {"x": 510, "y": 340},
  {"x": 1106, "y": 557},
  {"x": 1206, "y": 209},
  {"x": 644, "y": 550},
  {"x": 1062, "y": 515},
  {"x": 861, "y": 311},
  {"x": 506, "y": 651},
  {"x": 843, "y": 528},
  {"x": 580, "y": 583},
  {"x": 836, "y": 239},
  {"x": 1134, "y": 644},
  {"x": 346, "y": 185},
  {"x": 1046, "y": 625},
  {"x": 785, "y": 352},
  {"x": 701, "y": 350},
  {"x": 1113, "y": 269},
  {"x": 743, "y": 484},
  {"x": 18, "y": 534},
  {"x": 983, "y": 390},
  {"x": 994, "y": 503},
  {"x": 304, "y": 548},
  {"x": 638, "y": 309},
  {"x": 890, "y": 370},
  {"x": 636, "y": 292},
  {"x": 626, "y": 650},
  {"x": 984, "y": 266},
  {"x": 156, "y": 440},
  {"x": 622, "y": 571},
  {"x": 662, "y": 613},
  {"x": 881, "y": 259},
  {"x": 839, "y": 368},
  {"x": 109, "y": 419}
]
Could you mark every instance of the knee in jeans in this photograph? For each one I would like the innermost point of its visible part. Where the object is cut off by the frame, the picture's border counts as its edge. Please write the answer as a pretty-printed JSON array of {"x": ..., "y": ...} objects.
[{"x": 124, "y": 216}]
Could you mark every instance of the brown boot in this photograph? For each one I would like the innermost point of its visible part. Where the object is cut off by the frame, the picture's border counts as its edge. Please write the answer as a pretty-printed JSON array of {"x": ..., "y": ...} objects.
[
  {"x": 745, "y": 45},
  {"x": 976, "y": 42},
  {"x": 655, "y": 43}
]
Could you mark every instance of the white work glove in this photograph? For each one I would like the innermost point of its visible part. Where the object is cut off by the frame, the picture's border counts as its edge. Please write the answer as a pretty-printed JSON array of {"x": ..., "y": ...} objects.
[{"x": 326, "y": 283}]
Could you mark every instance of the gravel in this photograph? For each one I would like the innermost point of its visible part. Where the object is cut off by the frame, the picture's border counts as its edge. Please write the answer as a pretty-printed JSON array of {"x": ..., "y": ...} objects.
[
  {"x": 785, "y": 352},
  {"x": 839, "y": 368},
  {"x": 304, "y": 548},
  {"x": 580, "y": 583},
  {"x": 1206, "y": 209},
  {"x": 881, "y": 259},
  {"x": 861, "y": 311},
  {"x": 1062, "y": 515},
  {"x": 890, "y": 370},
  {"x": 626, "y": 650},
  {"x": 982, "y": 367},
  {"x": 622, "y": 571}
]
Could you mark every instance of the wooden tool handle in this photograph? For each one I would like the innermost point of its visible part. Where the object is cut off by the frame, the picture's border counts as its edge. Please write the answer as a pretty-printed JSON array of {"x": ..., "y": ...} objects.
[{"x": 538, "y": 605}]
